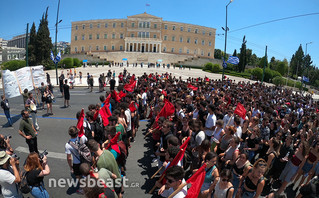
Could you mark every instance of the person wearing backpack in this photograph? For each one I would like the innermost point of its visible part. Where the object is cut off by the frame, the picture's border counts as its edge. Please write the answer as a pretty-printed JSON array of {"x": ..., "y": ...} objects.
[
  {"x": 9, "y": 176},
  {"x": 35, "y": 172},
  {"x": 73, "y": 155}
]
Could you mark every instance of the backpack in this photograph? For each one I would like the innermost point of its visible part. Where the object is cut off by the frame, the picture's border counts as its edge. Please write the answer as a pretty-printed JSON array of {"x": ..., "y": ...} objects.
[
  {"x": 83, "y": 150},
  {"x": 23, "y": 185},
  {"x": 99, "y": 135}
]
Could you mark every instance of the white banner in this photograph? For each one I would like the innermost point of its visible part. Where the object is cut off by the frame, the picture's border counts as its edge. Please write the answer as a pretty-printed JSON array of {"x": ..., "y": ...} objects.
[
  {"x": 10, "y": 84},
  {"x": 38, "y": 75},
  {"x": 24, "y": 78}
]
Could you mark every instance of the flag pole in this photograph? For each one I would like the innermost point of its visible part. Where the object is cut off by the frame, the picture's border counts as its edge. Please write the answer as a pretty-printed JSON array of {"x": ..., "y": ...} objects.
[
  {"x": 154, "y": 187},
  {"x": 157, "y": 172},
  {"x": 180, "y": 187}
]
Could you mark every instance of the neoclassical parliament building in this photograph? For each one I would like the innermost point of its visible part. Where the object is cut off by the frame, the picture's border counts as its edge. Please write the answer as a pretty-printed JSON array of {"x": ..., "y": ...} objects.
[{"x": 142, "y": 33}]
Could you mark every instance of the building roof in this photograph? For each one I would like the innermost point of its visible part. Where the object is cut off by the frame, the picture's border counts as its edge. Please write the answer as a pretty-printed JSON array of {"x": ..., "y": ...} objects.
[{"x": 144, "y": 15}]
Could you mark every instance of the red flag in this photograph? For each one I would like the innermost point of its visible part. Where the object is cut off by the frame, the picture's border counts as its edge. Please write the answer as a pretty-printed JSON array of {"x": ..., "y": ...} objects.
[
  {"x": 132, "y": 107},
  {"x": 96, "y": 114},
  {"x": 113, "y": 141},
  {"x": 240, "y": 110},
  {"x": 192, "y": 87},
  {"x": 167, "y": 110},
  {"x": 206, "y": 79},
  {"x": 129, "y": 87},
  {"x": 122, "y": 94},
  {"x": 116, "y": 96},
  {"x": 107, "y": 100},
  {"x": 177, "y": 158},
  {"x": 79, "y": 125},
  {"x": 164, "y": 92},
  {"x": 196, "y": 181},
  {"x": 105, "y": 114}
]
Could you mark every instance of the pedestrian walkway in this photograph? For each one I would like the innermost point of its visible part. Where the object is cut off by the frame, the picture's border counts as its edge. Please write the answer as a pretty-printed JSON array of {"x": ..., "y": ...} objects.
[{"x": 138, "y": 166}]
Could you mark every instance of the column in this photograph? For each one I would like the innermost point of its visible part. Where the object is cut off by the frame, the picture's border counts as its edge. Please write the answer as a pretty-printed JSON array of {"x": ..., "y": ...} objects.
[
  {"x": 125, "y": 47},
  {"x": 160, "y": 48},
  {"x": 157, "y": 48},
  {"x": 149, "y": 46}
]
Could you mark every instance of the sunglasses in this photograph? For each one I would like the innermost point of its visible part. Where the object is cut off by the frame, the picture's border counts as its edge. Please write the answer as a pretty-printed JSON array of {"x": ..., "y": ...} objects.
[{"x": 170, "y": 180}]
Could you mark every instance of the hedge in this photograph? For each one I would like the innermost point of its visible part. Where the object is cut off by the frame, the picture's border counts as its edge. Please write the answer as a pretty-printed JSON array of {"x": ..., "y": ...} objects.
[
  {"x": 13, "y": 65},
  {"x": 67, "y": 62},
  {"x": 76, "y": 62}
]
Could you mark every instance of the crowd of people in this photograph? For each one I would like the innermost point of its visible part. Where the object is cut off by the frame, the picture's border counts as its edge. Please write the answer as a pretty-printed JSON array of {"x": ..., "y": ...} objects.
[{"x": 253, "y": 139}]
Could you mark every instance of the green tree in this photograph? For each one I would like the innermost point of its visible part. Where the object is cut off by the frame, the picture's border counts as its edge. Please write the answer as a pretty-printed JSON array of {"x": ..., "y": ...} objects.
[
  {"x": 273, "y": 62},
  {"x": 43, "y": 42},
  {"x": 235, "y": 53},
  {"x": 32, "y": 46},
  {"x": 282, "y": 67},
  {"x": 242, "y": 57},
  {"x": 296, "y": 62},
  {"x": 262, "y": 62},
  {"x": 218, "y": 54},
  {"x": 248, "y": 55},
  {"x": 253, "y": 60}
]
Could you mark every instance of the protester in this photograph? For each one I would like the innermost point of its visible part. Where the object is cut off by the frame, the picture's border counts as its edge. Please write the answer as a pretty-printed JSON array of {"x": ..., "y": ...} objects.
[
  {"x": 48, "y": 95},
  {"x": 66, "y": 91},
  {"x": 6, "y": 108},
  {"x": 31, "y": 107},
  {"x": 28, "y": 131}
]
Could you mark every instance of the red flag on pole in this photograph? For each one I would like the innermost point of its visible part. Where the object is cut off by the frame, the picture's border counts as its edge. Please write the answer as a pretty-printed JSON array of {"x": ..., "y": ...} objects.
[
  {"x": 116, "y": 96},
  {"x": 196, "y": 181},
  {"x": 107, "y": 100},
  {"x": 122, "y": 94},
  {"x": 240, "y": 110},
  {"x": 105, "y": 114},
  {"x": 164, "y": 93},
  {"x": 167, "y": 110},
  {"x": 79, "y": 125},
  {"x": 192, "y": 87},
  {"x": 113, "y": 141}
]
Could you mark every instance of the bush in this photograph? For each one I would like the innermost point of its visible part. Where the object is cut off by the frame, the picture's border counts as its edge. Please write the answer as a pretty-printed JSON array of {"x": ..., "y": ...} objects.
[
  {"x": 257, "y": 73},
  {"x": 278, "y": 80},
  {"x": 68, "y": 62},
  {"x": 13, "y": 65},
  {"x": 215, "y": 68},
  {"x": 208, "y": 67},
  {"x": 76, "y": 62}
]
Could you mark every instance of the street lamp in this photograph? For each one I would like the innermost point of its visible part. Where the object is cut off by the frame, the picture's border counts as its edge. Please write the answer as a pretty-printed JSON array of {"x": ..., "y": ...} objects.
[
  {"x": 56, "y": 41},
  {"x": 226, "y": 30}
]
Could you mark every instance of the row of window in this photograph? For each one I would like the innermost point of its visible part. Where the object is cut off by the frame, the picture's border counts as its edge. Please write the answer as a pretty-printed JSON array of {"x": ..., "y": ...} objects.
[
  {"x": 97, "y": 48},
  {"x": 145, "y": 25},
  {"x": 144, "y": 35}
]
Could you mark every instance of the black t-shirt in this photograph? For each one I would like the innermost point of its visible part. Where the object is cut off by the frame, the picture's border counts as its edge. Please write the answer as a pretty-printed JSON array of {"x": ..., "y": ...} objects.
[
  {"x": 201, "y": 115},
  {"x": 5, "y": 104},
  {"x": 66, "y": 89},
  {"x": 251, "y": 143},
  {"x": 112, "y": 84},
  {"x": 33, "y": 178}
]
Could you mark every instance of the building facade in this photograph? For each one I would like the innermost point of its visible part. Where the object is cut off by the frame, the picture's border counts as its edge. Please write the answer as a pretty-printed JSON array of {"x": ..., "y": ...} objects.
[
  {"x": 142, "y": 33},
  {"x": 18, "y": 41}
]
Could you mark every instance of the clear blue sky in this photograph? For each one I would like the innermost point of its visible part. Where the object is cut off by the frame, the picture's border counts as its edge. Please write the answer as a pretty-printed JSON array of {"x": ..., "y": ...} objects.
[{"x": 282, "y": 38}]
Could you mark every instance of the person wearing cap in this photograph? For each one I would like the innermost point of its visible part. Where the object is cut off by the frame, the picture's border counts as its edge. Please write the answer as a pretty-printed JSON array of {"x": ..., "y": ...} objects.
[
  {"x": 9, "y": 176},
  {"x": 27, "y": 130}
]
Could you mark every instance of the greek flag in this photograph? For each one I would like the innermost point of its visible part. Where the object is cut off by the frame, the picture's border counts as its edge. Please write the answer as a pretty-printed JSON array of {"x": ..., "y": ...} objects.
[
  {"x": 52, "y": 56},
  {"x": 224, "y": 64},
  {"x": 233, "y": 60},
  {"x": 58, "y": 57},
  {"x": 305, "y": 79}
]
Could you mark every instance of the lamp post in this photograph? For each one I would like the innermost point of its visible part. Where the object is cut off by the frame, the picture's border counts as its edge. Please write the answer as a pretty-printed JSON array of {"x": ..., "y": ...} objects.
[
  {"x": 304, "y": 62},
  {"x": 226, "y": 30},
  {"x": 56, "y": 41}
]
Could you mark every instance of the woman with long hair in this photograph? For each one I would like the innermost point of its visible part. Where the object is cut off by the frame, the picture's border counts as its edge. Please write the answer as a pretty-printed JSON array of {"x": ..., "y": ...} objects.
[
  {"x": 240, "y": 167},
  {"x": 36, "y": 170},
  {"x": 212, "y": 174},
  {"x": 252, "y": 183},
  {"x": 48, "y": 95},
  {"x": 222, "y": 187}
]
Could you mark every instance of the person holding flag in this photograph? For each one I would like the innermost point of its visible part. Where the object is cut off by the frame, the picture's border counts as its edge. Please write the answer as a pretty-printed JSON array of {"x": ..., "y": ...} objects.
[{"x": 175, "y": 177}]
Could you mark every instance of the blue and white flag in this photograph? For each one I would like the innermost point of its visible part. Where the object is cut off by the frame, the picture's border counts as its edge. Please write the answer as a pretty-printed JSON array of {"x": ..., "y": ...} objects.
[
  {"x": 52, "y": 56},
  {"x": 224, "y": 64},
  {"x": 305, "y": 79},
  {"x": 233, "y": 60},
  {"x": 58, "y": 57}
]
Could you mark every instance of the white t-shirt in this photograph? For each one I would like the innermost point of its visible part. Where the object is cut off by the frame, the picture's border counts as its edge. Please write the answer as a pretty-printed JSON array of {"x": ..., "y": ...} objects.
[
  {"x": 144, "y": 98},
  {"x": 8, "y": 187},
  {"x": 181, "y": 194},
  {"x": 70, "y": 150},
  {"x": 226, "y": 120},
  {"x": 200, "y": 137},
  {"x": 210, "y": 122},
  {"x": 239, "y": 132},
  {"x": 128, "y": 119}
]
